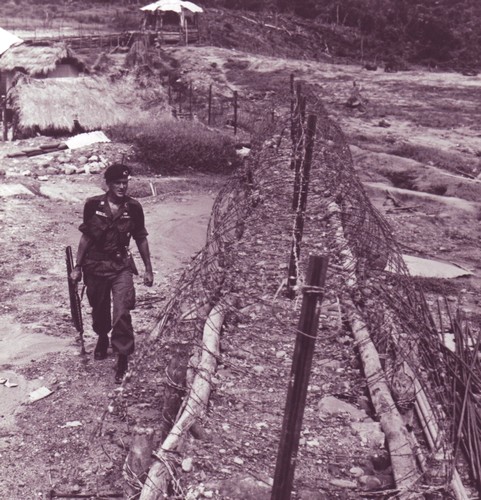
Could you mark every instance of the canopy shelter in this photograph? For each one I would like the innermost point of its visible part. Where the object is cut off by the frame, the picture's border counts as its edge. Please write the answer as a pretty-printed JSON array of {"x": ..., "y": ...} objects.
[{"x": 172, "y": 19}]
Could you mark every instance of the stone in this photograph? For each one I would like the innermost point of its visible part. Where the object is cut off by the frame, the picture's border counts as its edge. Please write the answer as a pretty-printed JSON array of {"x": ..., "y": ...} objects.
[
  {"x": 312, "y": 495},
  {"x": 69, "y": 169},
  {"x": 330, "y": 405},
  {"x": 343, "y": 483},
  {"x": 2, "y": 172},
  {"x": 370, "y": 433},
  {"x": 51, "y": 171},
  {"x": 356, "y": 471},
  {"x": 82, "y": 160},
  {"x": 94, "y": 169},
  {"x": 187, "y": 464},
  {"x": 370, "y": 483},
  {"x": 93, "y": 158},
  {"x": 246, "y": 488},
  {"x": 238, "y": 461}
]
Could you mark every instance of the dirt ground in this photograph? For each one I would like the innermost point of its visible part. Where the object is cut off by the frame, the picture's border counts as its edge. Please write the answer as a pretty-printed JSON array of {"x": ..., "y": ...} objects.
[{"x": 49, "y": 444}]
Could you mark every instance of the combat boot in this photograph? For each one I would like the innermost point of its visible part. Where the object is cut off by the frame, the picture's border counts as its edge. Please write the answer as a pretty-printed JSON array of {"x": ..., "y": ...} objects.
[
  {"x": 122, "y": 367},
  {"x": 100, "y": 351}
]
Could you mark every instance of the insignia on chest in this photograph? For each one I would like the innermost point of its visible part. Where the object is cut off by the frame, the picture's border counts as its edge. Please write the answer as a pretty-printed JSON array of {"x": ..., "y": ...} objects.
[{"x": 98, "y": 212}]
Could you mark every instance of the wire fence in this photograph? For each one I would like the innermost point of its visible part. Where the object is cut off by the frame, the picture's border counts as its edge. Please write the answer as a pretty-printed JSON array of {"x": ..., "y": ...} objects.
[{"x": 244, "y": 270}]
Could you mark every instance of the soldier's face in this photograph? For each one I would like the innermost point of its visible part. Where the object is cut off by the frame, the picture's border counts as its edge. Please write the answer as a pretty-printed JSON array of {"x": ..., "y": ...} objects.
[{"x": 119, "y": 187}]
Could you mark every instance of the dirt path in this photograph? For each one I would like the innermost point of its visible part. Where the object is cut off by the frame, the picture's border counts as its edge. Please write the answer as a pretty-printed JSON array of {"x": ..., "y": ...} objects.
[{"x": 38, "y": 345}]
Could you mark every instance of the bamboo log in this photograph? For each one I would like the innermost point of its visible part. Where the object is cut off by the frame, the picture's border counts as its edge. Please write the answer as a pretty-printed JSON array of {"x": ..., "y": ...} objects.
[
  {"x": 156, "y": 484},
  {"x": 403, "y": 461},
  {"x": 423, "y": 409}
]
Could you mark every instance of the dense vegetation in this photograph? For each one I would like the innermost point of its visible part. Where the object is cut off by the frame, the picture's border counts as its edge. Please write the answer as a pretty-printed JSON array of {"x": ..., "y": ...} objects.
[
  {"x": 436, "y": 33},
  {"x": 444, "y": 33}
]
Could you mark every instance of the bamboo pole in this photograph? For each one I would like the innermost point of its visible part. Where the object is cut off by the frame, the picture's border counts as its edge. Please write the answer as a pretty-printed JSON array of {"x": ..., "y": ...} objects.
[
  {"x": 158, "y": 479},
  {"x": 403, "y": 461}
]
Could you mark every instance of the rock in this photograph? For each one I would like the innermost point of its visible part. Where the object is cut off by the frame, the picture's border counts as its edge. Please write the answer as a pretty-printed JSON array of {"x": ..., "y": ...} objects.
[
  {"x": 330, "y": 405},
  {"x": 187, "y": 464},
  {"x": 2, "y": 172},
  {"x": 95, "y": 169},
  {"x": 330, "y": 364},
  {"x": 51, "y": 171},
  {"x": 312, "y": 495},
  {"x": 343, "y": 483},
  {"x": 356, "y": 471},
  {"x": 259, "y": 369},
  {"x": 281, "y": 354},
  {"x": 370, "y": 433},
  {"x": 380, "y": 461},
  {"x": 27, "y": 173},
  {"x": 370, "y": 483},
  {"x": 246, "y": 488},
  {"x": 69, "y": 169},
  {"x": 82, "y": 160},
  {"x": 238, "y": 461},
  {"x": 93, "y": 158}
]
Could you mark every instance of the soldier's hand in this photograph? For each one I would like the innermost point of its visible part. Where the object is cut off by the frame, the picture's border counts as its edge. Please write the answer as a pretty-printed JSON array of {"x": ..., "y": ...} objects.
[
  {"x": 148, "y": 278},
  {"x": 76, "y": 274}
]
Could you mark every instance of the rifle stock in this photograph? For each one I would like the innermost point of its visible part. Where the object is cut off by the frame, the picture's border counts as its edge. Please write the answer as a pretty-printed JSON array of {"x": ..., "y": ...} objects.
[{"x": 75, "y": 304}]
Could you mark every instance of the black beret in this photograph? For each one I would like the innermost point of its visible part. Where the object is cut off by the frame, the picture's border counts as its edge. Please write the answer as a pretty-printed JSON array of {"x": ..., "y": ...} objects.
[{"x": 116, "y": 171}]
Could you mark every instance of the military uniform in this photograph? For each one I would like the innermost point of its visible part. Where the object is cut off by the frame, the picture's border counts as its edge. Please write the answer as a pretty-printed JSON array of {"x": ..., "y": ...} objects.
[{"x": 108, "y": 267}]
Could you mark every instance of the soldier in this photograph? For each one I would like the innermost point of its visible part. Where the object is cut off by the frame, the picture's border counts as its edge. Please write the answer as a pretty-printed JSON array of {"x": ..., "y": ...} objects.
[{"x": 109, "y": 221}]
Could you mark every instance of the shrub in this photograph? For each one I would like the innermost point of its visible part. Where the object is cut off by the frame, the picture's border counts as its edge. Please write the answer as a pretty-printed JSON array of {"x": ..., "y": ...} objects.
[{"x": 170, "y": 146}]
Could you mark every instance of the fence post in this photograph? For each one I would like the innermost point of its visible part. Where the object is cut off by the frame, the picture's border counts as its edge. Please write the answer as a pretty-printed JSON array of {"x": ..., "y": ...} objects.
[
  {"x": 190, "y": 100},
  {"x": 301, "y": 206},
  {"x": 235, "y": 112},
  {"x": 297, "y": 148},
  {"x": 299, "y": 378},
  {"x": 5, "y": 121},
  {"x": 209, "y": 118}
]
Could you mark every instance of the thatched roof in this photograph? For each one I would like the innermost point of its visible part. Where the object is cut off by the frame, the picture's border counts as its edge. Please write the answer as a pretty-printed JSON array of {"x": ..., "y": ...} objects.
[
  {"x": 7, "y": 40},
  {"x": 173, "y": 6},
  {"x": 38, "y": 60},
  {"x": 51, "y": 105}
]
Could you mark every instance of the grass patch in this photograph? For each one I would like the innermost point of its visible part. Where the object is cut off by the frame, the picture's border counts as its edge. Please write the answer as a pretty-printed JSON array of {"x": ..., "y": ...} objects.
[{"x": 170, "y": 146}]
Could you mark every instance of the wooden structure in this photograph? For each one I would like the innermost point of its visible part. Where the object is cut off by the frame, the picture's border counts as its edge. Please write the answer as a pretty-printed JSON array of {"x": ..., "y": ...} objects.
[{"x": 172, "y": 21}]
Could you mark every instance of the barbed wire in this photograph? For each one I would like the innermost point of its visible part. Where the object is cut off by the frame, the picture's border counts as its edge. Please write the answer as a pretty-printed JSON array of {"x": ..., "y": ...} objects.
[{"x": 243, "y": 268}]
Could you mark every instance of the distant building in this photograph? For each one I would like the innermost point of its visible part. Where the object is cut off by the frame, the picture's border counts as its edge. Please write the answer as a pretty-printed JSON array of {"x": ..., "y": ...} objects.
[
  {"x": 172, "y": 21},
  {"x": 38, "y": 61}
]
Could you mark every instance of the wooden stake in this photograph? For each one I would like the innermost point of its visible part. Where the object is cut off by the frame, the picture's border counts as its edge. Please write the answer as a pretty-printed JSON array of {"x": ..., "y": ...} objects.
[
  {"x": 235, "y": 112},
  {"x": 299, "y": 378},
  {"x": 301, "y": 206},
  {"x": 209, "y": 117}
]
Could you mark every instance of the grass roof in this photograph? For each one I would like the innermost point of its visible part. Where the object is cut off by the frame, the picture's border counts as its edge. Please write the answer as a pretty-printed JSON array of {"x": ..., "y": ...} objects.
[
  {"x": 38, "y": 60},
  {"x": 51, "y": 105}
]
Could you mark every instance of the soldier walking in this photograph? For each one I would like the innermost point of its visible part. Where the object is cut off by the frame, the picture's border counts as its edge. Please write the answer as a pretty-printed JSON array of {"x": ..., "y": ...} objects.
[{"x": 109, "y": 222}]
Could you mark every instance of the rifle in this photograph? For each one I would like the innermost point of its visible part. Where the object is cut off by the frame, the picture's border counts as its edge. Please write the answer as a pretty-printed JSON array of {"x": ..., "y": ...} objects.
[{"x": 75, "y": 304}]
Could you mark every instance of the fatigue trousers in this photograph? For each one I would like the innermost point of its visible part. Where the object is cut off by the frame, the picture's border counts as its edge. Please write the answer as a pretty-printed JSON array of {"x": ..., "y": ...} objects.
[{"x": 117, "y": 288}]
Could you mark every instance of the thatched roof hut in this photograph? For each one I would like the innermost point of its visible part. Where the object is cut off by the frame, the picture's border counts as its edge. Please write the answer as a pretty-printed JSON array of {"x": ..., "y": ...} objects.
[
  {"x": 50, "y": 106},
  {"x": 40, "y": 60}
]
